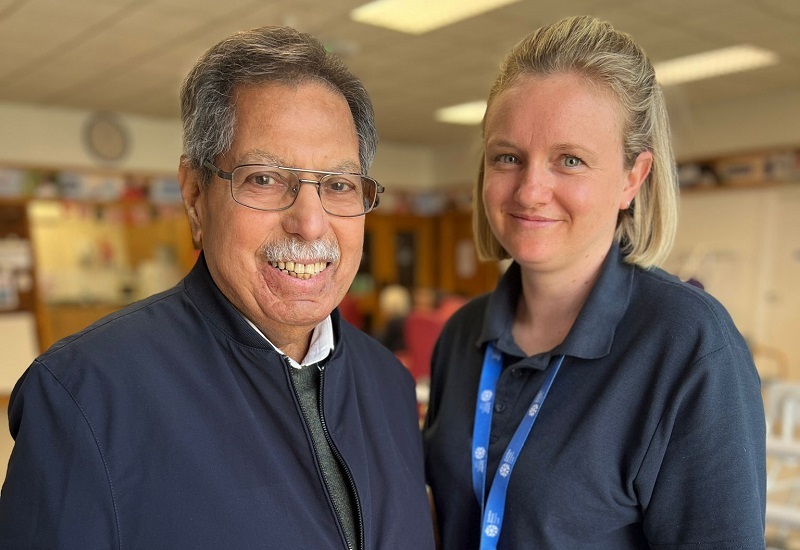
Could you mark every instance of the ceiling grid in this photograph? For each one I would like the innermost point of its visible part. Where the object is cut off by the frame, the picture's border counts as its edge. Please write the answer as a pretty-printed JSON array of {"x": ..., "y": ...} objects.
[{"x": 131, "y": 55}]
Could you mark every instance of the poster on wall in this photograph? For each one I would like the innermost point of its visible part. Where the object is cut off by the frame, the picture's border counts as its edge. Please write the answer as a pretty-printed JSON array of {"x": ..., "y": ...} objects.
[
  {"x": 11, "y": 183},
  {"x": 16, "y": 262},
  {"x": 9, "y": 298}
]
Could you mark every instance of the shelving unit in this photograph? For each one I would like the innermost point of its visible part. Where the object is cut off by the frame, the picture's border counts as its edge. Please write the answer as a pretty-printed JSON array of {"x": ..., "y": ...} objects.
[
  {"x": 746, "y": 170},
  {"x": 430, "y": 252},
  {"x": 95, "y": 238}
]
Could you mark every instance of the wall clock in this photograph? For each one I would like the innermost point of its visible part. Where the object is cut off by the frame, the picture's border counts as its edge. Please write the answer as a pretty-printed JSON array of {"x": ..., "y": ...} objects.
[{"x": 106, "y": 137}]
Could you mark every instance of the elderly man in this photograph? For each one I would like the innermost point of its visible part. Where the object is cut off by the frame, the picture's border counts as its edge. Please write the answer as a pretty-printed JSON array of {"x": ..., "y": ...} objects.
[{"x": 236, "y": 410}]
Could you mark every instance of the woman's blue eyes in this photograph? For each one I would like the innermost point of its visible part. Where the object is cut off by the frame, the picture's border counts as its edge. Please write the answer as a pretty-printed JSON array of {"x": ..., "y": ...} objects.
[
  {"x": 507, "y": 159},
  {"x": 567, "y": 160}
]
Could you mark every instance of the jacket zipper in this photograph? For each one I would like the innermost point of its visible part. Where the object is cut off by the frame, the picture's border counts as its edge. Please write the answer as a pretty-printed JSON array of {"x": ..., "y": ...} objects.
[
  {"x": 336, "y": 454},
  {"x": 351, "y": 482}
]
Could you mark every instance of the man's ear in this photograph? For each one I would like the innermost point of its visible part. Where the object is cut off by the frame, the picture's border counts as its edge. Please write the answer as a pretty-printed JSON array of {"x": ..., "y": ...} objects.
[
  {"x": 191, "y": 190},
  {"x": 635, "y": 178}
]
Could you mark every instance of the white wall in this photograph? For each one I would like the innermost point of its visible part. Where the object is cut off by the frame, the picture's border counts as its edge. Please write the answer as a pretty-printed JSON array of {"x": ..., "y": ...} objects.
[
  {"x": 406, "y": 167},
  {"x": 745, "y": 125},
  {"x": 457, "y": 165},
  {"x": 50, "y": 137}
]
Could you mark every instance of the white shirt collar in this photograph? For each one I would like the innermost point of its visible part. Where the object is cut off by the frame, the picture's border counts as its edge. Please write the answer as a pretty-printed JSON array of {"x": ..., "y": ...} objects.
[{"x": 321, "y": 343}]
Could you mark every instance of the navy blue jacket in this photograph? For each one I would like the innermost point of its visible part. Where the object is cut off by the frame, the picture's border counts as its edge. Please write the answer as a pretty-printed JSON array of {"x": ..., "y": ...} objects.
[
  {"x": 173, "y": 424},
  {"x": 652, "y": 435}
]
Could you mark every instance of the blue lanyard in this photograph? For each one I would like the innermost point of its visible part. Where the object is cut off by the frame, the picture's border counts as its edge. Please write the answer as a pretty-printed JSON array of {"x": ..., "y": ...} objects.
[{"x": 492, "y": 508}]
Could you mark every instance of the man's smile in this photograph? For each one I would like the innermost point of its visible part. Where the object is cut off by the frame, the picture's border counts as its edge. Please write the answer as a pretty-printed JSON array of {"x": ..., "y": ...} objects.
[{"x": 300, "y": 270}]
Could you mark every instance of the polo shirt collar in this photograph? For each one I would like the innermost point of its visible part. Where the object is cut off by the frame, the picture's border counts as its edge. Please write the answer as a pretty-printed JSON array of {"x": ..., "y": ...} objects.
[{"x": 593, "y": 332}]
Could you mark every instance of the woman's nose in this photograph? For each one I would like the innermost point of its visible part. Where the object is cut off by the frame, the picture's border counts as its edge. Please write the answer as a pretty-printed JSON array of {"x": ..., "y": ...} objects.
[{"x": 535, "y": 186}]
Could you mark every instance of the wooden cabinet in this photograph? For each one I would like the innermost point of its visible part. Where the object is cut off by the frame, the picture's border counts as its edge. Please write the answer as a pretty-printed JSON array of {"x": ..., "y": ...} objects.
[
  {"x": 460, "y": 270},
  {"x": 60, "y": 320},
  {"x": 17, "y": 291},
  {"x": 95, "y": 257},
  {"x": 149, "y": 226},
  {"x": 19, "y": 332},
  {"x": 401, "y": 249},
  {"x": 398, "y": 249},
  {"x": 419, "y": 252}
]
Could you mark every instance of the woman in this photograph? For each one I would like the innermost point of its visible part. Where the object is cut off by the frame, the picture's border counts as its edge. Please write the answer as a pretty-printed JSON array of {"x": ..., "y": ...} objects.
[{"x": 592, "y": 400}]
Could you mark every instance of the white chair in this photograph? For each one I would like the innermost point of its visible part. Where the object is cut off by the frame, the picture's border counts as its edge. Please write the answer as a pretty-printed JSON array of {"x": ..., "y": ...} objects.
[{"x": 782, "y": 409}]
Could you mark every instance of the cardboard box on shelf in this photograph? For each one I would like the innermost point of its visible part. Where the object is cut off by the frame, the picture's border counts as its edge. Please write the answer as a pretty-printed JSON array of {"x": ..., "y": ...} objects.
[
  {"x": 759, "y": 169},
  {"x": 742, "y": 170}
]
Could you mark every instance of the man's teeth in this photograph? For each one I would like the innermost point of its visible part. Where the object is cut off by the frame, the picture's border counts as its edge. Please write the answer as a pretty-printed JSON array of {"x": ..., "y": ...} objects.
[{"x": 300, "y": 271}]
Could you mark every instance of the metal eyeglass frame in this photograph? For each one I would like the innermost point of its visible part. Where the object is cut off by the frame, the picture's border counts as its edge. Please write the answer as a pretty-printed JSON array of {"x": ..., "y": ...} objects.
[{"x": 220, "y": 173}]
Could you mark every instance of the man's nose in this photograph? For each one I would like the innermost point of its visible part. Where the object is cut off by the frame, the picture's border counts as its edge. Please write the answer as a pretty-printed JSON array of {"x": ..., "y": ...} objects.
[{"x": 306, "y": 218}]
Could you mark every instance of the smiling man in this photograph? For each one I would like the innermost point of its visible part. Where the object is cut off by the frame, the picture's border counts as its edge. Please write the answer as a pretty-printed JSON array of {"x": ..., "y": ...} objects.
[{"x": 236, "y": 410}]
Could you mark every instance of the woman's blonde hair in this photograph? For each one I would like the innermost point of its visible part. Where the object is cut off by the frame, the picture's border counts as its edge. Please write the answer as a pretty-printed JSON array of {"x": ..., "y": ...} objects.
[{"x": 613, "y": 61}]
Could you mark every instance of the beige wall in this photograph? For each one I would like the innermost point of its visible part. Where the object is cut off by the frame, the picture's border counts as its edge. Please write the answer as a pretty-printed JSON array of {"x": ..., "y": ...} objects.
[{"x": 744, "y": 246}]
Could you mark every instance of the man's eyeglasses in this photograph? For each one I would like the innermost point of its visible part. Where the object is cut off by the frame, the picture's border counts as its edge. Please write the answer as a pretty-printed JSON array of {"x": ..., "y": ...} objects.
[{"x": 273, "y": 188}]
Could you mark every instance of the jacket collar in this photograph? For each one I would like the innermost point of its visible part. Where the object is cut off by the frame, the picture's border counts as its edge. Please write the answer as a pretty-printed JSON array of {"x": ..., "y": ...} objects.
[
  {"x": 593, "y": 332},
  {"x": 219, "y": 311}
]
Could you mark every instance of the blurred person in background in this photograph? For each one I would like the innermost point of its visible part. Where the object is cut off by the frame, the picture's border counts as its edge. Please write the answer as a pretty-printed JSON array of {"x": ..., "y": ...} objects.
[
  {"x": 236, "y": 410},
  {"x": 395, "y": 304},
  {"x": 592, "y": 400}
]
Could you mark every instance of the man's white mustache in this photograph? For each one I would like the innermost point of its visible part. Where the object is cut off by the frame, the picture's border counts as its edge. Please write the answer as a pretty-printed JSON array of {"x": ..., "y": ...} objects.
[{"x": 295, "y": 250}]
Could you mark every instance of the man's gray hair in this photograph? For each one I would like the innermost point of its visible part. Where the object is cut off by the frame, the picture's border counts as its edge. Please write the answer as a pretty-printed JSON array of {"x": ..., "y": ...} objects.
[{"x": 258, "y": 56}]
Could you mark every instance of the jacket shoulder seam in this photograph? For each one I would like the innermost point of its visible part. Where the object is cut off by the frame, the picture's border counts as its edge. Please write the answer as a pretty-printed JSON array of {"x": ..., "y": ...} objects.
[{"x": 99, "y": 450}]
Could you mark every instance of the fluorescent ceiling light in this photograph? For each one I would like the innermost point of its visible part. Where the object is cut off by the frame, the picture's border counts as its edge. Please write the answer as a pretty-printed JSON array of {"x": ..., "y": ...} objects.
[
  {"x": 713, "y": 63},
  {"x": 466, "y": 113},
  {"x": 421, "y": 16}
]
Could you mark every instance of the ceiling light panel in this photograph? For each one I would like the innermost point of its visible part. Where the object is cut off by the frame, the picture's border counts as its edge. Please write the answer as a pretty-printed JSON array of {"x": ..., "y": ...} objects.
[
  {"x": 714, "y": 63},
  {"x": 465, "y": 113},
  {"x": 421, "y": 16}
]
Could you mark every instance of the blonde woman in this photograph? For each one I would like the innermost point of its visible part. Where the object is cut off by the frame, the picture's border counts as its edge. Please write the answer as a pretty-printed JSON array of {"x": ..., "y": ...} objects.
[{"x": 592, "y": 400}]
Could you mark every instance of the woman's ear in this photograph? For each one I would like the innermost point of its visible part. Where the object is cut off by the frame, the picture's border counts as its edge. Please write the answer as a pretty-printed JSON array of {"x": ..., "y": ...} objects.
[
  {"x": 635, "y": 178},
  {"x": 191, "y": 191}
]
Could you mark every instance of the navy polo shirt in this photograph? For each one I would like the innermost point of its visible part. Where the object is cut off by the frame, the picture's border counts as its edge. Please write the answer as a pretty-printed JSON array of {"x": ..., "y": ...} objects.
[{"x": 652, "y": 435}]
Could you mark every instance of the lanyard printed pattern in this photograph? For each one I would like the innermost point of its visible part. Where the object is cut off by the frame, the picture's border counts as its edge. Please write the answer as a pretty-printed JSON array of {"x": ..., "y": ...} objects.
[{"x": 492, "y": 508}]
